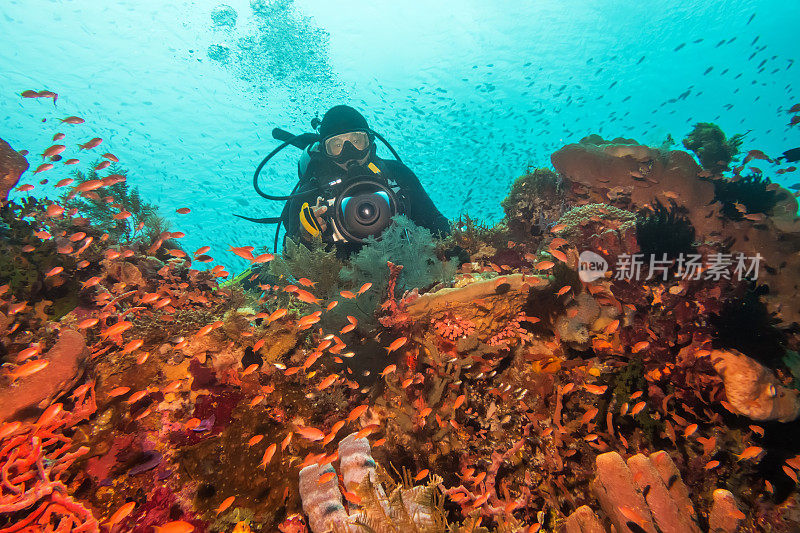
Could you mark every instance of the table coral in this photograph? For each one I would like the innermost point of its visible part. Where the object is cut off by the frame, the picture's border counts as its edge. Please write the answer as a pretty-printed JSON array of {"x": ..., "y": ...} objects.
[
  {"x": 12, "y": 165},
  {"x": 66, "y": 359}
]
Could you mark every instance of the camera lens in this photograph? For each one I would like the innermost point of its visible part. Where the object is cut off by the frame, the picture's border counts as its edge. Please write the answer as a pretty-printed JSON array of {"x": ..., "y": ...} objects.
[
  {"x": 366, "y": 212},
  {"x": 364, "y": 209}
]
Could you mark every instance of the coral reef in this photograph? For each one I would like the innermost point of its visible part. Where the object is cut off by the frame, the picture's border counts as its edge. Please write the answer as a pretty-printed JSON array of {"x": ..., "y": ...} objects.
[
  {"x": 141, "y": 388},
  {"x": 711, "y": 147},
  {"x": 405, "y": 244},
  {"x": 12, "y": 165},
  {"x": 534, "y": 203},
  {"x": 35, "y": 461}
]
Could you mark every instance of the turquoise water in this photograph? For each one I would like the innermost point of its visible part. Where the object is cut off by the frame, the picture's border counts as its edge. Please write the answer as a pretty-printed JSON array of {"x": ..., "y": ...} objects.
[{"x": 470, "y": 93}]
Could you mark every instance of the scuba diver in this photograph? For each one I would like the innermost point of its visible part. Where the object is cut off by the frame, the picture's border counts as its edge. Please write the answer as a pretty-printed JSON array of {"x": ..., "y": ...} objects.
[{"x": 346, "y": 193}]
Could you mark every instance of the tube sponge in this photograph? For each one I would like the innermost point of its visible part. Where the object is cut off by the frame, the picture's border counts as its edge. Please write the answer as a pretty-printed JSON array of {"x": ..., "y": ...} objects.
[{"x": 322, "y": 502}]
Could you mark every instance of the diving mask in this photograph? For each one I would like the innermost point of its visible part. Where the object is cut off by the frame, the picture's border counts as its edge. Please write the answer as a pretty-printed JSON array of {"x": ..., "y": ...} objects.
[{"x": 335, "y": 144}]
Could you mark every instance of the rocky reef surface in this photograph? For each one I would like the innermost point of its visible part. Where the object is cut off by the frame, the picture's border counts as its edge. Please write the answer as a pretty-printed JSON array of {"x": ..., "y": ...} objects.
[{"x": 499, "y": 380}]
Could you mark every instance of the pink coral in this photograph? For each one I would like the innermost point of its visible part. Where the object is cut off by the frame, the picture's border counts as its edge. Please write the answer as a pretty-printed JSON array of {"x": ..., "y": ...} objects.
[{"x": 452, "y": 327}]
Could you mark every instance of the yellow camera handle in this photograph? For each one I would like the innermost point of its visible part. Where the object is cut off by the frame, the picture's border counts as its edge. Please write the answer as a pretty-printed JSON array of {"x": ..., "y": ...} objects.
[{"x": 309, "y": 220}]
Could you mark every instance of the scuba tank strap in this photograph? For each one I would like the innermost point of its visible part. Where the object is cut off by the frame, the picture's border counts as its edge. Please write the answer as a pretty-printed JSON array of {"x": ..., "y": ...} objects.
[{"x": 265, "y": 220}]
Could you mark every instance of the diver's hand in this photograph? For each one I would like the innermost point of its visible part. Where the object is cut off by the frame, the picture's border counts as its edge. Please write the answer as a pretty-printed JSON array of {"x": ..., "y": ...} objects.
[{"x": 319, "y": 210}]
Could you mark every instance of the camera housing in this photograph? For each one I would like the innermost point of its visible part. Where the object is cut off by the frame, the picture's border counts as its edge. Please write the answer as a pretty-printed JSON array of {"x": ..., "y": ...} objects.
[{"x": 361, "y": 207}]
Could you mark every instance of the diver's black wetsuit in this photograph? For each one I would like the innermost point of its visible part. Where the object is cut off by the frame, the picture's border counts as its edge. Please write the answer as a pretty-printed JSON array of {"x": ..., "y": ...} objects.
[{"x": 418, "y": 206}]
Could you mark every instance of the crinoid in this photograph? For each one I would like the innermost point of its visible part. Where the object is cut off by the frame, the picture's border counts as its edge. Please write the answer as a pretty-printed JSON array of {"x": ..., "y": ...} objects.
[
  {"x": 747, "y": 194},
  {"x": 661, "y": 230}
]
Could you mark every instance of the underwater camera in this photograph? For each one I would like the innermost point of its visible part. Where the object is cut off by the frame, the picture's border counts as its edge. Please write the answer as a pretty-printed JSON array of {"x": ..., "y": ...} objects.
[{"x": 360, "y": 201}]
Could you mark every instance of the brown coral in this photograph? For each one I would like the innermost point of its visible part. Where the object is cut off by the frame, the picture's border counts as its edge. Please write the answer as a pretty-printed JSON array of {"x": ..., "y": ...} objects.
[
  {"x": 647, "y": 491},
  {"x": 753, "y": 390},
  {"x": 38, "y": 390},
  {"x": 12, "y": 165}
]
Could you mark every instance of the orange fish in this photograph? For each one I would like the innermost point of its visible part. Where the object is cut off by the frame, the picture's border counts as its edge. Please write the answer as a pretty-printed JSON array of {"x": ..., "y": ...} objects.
[
  {"x": 563, "y": 290},
  {"x": 308, "y": 321},
  {"x": 305, "y": 282},
  {"x": 357, "y": 412},
  {"x": 41, "y": 168},
  {"x": 29, "y": 368},
  {"x": 250, "y": 369},
  {"x": 366, "y": 431},
  {"x": 634, "y": 516},
  {"x": 324, "y": 478},
  {"x": 121, "y": 514},
  {"x": 9, "y": 429},
  {"x": 178, "y": 526},
  {"x": 263, "y": 258},
  {"x": 91, "y": 143},
  {"x": 245, "y": 252},
  {"x": 50, "y": 414},
  {"x": 544, "y": 265},
  {"x": 270, "y": 451},
  {"x": 690, "y": 429},
  {"x": 183, "y": 210},
  {"x": 364, "y": 288},
  {"x": 119, "y": 391},
  {"x": 750, "y": 452},
  {"x": 422, "y": 474},
  {"x": 111, "y": 157},
  {"x": 595, "y": 389},
  {"x": 636, "y": 409},
  {"x": 327, "y": 382},
  {"x": 309, "y": 433},
  {"x": 192, "y": 423},
  {"x": 280, "y": 313},
  {"x": 87, "y": 323},
  {"x": 561, "y": 256},
  {"x": 711, "y": 465},
  {"x": 459, "y": 401},
  {"x": 72, "y": 120},
  {"x": 172, "y": 387},
  {"x": 227, "y": 502},
  {"x": 54, "y": 271},
  {"x": 205, "y": 330},
  {"x": 347, "y": 294},
  {"x": 639, "y": 346},
  {"x": 351, "y": 497},
  {"x": 54, "y": 211},
  {"x": 396, "y": 344},
  {"x": 132, "y": 345},
  {"x": 136, "y": 396},
  {"x": 117, "y": 328},
  {"x": 305, "y": 296}
]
